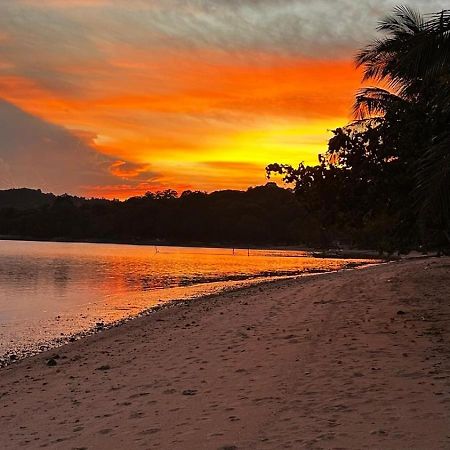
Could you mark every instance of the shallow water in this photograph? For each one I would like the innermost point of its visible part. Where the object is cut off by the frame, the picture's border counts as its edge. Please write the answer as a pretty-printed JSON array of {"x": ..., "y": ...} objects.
[{"x": 50, "y": 290}]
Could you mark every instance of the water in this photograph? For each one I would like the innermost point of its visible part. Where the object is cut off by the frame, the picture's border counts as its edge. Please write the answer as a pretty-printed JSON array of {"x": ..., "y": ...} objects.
[{"x": 53, "y": 290}]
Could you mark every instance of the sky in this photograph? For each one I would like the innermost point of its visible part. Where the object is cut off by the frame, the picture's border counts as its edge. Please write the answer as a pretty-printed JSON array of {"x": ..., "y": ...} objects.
[{"x": 112, "y": 98}]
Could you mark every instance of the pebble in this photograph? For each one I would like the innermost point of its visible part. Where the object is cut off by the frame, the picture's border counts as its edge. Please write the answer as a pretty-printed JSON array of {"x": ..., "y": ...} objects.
[{"x": 189, "y": 392}]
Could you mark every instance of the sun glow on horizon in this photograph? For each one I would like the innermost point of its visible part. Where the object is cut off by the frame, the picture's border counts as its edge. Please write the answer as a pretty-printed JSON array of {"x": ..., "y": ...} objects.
[{"x": 138, "y": 97}]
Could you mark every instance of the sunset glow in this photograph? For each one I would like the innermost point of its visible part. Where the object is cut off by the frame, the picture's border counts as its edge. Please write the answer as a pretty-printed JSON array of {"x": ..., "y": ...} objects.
[{"x": 147, "y": 95}]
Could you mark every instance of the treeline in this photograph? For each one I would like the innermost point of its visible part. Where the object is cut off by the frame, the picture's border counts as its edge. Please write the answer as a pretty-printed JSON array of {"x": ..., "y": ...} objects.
[{"x": 260, "y": 216}]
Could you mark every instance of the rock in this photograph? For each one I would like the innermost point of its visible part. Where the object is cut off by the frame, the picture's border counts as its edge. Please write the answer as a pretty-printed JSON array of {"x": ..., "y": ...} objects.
[
  {"x": 380, "y": 432},
  {"x": 51, "y": 362},
  {"x": 401, "y": 313},
  {"x": 189, "y": 392},
  {"x": 104, "y": 367}
]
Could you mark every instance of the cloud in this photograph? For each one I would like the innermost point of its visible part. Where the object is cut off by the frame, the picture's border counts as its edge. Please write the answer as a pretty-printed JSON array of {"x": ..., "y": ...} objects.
[
  {"x": 65, "y": 3},
  {"x": 38, "y": 154},
  {"x": 165, "y": 83},
  {"x": 75, "y": 47},
  {"x": 127, "y": 170},
  {"x": 80, "y": 29},
  {"x": 71, "y": 47}
]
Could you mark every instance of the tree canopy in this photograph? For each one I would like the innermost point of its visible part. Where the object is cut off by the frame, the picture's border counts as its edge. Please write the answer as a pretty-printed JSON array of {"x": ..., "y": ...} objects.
[
  {"x": 385, "y": 179},
  {"x": 261, "y": 215}
]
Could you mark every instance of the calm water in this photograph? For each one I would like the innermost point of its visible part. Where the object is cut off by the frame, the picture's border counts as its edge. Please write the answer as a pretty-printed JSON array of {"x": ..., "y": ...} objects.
[{"x": 50, "y": 290}]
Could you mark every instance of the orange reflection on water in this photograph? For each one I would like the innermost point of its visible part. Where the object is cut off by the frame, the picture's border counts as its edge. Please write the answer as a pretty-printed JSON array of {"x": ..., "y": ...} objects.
[{"x": 53, "y": 289}]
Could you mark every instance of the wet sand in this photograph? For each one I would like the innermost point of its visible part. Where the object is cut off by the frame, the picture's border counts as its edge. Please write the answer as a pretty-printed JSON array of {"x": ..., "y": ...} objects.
[{"x": 352, "y": 360}]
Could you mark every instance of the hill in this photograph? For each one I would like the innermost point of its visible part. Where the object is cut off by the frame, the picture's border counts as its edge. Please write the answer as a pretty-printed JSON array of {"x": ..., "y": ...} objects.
[
  {"x": 24, "y": 198},
  {"x": 261, "y": 215}
]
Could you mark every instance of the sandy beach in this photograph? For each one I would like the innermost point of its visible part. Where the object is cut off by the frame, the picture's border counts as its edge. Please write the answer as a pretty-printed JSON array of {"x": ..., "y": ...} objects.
[{"x": 358, "y": 359}]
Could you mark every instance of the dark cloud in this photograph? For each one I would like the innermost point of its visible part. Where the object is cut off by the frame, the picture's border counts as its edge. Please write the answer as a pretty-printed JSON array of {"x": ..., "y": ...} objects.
[
  {"x": 285, "y": 26},
  {"x": 38, "y": 154},
  {"x": 314, "y": 29}
]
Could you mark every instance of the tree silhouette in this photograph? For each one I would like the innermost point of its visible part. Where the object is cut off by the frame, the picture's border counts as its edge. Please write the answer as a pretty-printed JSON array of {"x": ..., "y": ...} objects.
[
  {"x": 388, "y": 171},
  {"x": 413, "y": 59}
]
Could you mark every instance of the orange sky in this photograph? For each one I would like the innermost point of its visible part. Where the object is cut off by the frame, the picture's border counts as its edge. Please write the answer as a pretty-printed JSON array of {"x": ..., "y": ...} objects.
[{"x": 186, "y": 95}]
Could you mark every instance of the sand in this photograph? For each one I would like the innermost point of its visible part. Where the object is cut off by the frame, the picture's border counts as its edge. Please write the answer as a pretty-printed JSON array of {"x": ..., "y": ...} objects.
[{"x": 351, "y": 360}]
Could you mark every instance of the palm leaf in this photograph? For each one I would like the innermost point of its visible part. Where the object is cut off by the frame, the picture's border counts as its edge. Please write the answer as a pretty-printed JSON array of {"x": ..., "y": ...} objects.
[
  {"x": 414, "y": 50},
  {"x": 373, "y": 101}
]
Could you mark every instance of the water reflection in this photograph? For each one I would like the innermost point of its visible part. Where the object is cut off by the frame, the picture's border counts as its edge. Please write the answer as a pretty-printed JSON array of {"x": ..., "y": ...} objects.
[
  {"x": 49, "y": 289},
  {"x": 61, "y": 275}
]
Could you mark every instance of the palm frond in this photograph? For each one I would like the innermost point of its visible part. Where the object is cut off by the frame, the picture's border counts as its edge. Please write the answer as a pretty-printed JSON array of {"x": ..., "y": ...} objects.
[
  {"x": 373, "y": 101},
  {"x": 414, "y": 50},
  {"x": 439, "y": 21},
  {"x": 403, "y": 20},
  {"x": 429, "y": 54}
]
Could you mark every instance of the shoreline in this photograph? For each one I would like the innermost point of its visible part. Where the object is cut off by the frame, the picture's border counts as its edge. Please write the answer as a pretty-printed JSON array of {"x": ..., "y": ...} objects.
[
  {"x": 13, "y": 357},
  {"x": 351, "y": 359},
  {"x": 54, "y": 345},
  {"x": 315, "y": 252}
]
